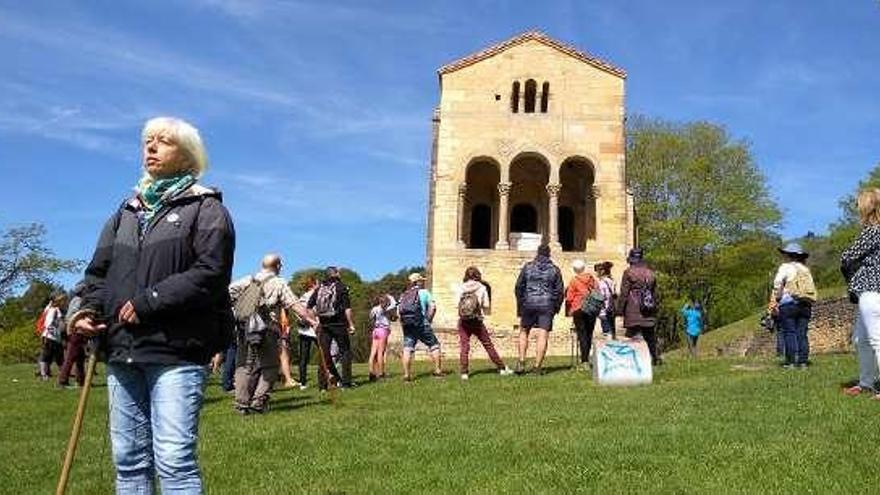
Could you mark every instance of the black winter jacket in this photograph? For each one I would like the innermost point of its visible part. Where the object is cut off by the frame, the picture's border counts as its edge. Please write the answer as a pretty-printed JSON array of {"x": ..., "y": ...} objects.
[
  {"x": 176, "y": 273},
  {"x": 539, "y": 286}
]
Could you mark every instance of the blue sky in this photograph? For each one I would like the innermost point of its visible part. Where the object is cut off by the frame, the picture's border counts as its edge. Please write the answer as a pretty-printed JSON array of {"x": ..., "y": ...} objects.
[{"x": 317, "y": 114}]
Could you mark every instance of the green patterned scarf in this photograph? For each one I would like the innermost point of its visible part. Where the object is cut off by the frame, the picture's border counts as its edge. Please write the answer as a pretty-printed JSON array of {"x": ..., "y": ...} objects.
[{"x": 154, "y": 194}]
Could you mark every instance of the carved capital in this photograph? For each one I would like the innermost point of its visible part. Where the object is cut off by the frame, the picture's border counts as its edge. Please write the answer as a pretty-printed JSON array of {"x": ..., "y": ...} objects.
[
  {"x": 462, "y": 189},
  {"x": 594, "y": 192},
  {"x": 553, "y": 189},
  {"x": 504, "y": 188}
]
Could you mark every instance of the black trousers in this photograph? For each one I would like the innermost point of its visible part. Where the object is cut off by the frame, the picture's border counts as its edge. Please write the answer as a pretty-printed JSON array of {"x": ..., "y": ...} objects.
[
  {"x": 650, "y": 337},
  {"x": 305, "y": 352},
  {"x": 583, "y": 327},
  {"x": 339, "y": 333}
]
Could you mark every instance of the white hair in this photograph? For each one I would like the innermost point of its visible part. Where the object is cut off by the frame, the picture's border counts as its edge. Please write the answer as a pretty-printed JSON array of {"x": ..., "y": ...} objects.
[
  {"x": 578, "y": 266},
  {"x": 187, "y": 138}
]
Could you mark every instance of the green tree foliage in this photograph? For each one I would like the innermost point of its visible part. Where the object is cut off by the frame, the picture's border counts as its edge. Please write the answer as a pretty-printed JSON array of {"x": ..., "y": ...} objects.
[
  {"x": 705, "y": 218},
  {"x": 825, "y": 250},
  {"x": 25, "y": 258}
]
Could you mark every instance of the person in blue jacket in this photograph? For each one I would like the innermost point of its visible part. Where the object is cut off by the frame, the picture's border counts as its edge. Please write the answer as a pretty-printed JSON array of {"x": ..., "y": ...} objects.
[{"x": 692, "y": 313}]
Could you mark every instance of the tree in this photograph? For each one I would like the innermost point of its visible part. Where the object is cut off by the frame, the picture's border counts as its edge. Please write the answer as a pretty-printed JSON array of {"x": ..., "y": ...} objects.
[
  {"x": 705, "y": 217},
  {"x": 825, "y": 250},
  {"x": 24, "y": 258}
]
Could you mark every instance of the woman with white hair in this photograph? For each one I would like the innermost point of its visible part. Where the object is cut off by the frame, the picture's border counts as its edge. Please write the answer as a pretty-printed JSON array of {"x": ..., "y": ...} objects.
[
  {"x": 578, "y": 292},
  {"x": 156, "y": 290}
]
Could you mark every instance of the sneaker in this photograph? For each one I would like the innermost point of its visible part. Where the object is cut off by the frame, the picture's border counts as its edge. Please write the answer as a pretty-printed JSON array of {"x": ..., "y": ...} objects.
[
  {"x": 373, "y": 377},
  {"x": 242, "y": 410},
  {"x": 464, "y": 376},
  {"x": 520, "y": 368},
  {"x": 438, "y": 374},
  {"x": 303, "y": 386},
  {"x": 801, "y": 366},
  {"x": 505, "y": 371},
  {"x": 788, "y": 366},
  {"x": 855, "y": 390}
]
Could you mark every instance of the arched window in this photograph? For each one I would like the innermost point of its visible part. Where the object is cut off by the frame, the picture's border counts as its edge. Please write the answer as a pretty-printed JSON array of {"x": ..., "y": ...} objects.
[
  {"x": 545, "y": 96},
  {"x": 531, "y": 93},
  {"x": 481, "y": 227},
  {"x": 524, "y": 218},
  {"x": 514, "y": 98}
]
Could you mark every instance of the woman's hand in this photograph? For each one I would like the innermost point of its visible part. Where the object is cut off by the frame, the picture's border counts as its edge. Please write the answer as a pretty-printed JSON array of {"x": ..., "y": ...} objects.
[
  {"x": 127, "y": 314},
  {"x": 88, "y": 327}
]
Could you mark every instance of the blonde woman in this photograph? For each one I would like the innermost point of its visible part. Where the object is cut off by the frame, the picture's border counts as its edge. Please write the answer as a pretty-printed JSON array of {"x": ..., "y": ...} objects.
[
  {"x": 156, "y": 286},
  {"x": 860, "y": 264}
]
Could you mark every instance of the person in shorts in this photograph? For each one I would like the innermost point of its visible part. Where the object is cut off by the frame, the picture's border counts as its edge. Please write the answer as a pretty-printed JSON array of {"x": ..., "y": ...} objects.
[
  {"x": 539, "y": 296},
  {"x": 417, "y": 309},
  {"x": 380, "y": 318}
]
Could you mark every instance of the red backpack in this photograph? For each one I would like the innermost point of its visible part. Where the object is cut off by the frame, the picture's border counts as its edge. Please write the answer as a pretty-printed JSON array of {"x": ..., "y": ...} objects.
[{"x": 40, "y": 324}]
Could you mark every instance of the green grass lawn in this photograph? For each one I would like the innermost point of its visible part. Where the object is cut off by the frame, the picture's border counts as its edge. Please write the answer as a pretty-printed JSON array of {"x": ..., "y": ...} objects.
[{"x": 713, "y": 426}]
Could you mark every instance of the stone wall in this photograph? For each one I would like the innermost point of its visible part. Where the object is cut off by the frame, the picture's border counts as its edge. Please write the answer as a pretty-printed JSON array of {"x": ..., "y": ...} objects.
[{"x": 830, "y": 332}]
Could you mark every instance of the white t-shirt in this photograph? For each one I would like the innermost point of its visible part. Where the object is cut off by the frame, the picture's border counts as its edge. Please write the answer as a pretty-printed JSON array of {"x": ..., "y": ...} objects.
[{"x": 52, "y": 324}]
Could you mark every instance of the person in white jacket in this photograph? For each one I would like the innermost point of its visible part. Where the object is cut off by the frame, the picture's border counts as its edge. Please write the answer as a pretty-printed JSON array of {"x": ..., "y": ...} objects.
[
  {"x": 473, "y": 305},
  {"x": 50, "y": 334}
]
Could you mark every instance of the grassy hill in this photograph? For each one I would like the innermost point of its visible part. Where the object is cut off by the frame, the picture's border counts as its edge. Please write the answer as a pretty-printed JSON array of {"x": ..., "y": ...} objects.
[{"x": 721, "y": 426}]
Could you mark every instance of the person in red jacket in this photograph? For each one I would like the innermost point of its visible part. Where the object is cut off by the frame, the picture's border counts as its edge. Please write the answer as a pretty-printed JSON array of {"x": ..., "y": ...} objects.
[{"x": 579, "y": 288}]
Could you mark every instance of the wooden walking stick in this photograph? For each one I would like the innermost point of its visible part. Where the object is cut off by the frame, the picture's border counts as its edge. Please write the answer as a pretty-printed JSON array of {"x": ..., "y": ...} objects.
[{"x": 77, "y": 424}]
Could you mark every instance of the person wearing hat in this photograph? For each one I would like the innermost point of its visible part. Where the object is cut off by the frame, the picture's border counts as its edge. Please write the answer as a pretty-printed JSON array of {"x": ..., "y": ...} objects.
[
  {"x": 332, "y": 303},
  {"x": 638, "y": 301},
  {"x": 416, "y": 309},
  {"x": 579, "y": 288},
  {"x": 792, "y": 301}
]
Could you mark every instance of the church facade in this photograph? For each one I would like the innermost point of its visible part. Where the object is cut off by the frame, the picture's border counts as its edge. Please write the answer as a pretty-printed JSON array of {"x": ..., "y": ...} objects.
[{"x": 528, "y": 147}]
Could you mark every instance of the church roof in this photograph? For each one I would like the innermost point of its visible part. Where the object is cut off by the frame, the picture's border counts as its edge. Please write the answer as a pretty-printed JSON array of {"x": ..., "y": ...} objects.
[{"x": 531, "y": 36}]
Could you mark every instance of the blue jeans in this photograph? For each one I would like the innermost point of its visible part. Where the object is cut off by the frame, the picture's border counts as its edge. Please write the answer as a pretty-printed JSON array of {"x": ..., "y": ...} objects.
[
  {"x": 794, "y": 319},
  {"x": 608, "y": 326},
  {"x": 154, "y": 422}
]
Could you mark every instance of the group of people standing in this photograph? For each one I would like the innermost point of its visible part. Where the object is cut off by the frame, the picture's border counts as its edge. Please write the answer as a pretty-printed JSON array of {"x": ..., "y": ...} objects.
[{"x": 66, "y": 349}]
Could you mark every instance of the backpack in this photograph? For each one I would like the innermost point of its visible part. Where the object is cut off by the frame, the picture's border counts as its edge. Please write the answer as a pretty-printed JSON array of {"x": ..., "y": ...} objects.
[
  {"x": 593, "y": 303},
  {"x": 647, "y": 299},
  {"x": 40, "y": 324},
  {"x": 325, "y": 300},
  {"x": 469, "y": 307},
  {"x": 410, "y": 308},
  {"x": 802, "y": 287},
  {"x": 247, "y": 303}
]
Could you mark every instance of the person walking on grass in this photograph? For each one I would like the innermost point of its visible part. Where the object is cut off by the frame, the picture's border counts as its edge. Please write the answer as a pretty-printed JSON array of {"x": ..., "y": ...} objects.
[
  {"x": 609, "y": 293},
  {"x": 75, "y": 353},
  {"x": 579, "y": 291},
  {"x": 792, "y": 300},
  {"x": 332, "y": 304},
  {"x": 162, "y": 326},
  {"x": 284, "y": 352},
  {"x": 381, "y": 314},
  {"x": 51, "y": 334},
  {"x": 473, "y": 305},
  {"x": 416, "y": 309},
  {"x": 539, "y": 296},
  {"x": 307, "y": 335},
  {"x": 692, "y": 313},
  {"x": 860, "y": 265},
  {"x": 638, "y": 302},
  {"x": 257, "y": 350}
]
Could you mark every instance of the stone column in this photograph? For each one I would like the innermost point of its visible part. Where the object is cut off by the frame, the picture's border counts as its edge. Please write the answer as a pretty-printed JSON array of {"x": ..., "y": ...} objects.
[
  {"x": 459, "y": 226},
  {"x": 553, "y": 231},
  {"x": 503, "y": 215}
]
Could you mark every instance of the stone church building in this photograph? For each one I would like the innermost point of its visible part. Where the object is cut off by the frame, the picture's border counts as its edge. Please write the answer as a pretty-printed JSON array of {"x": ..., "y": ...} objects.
[{"x": 528, "y": 147}]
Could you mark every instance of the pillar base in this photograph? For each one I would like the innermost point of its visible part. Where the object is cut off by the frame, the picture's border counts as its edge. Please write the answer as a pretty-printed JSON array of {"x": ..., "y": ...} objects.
[{"x": 502, "y": 246}]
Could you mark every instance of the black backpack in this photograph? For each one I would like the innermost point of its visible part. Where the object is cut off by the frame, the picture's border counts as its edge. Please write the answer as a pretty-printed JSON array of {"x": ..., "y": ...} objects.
[
  {"x": 410, "y": 308},
  {"x": 325, "y": 300}
]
